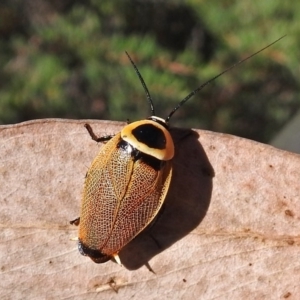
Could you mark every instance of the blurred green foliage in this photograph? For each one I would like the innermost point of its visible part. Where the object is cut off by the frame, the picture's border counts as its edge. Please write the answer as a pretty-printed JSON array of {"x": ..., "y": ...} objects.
[{"x": 67, "y": 59}]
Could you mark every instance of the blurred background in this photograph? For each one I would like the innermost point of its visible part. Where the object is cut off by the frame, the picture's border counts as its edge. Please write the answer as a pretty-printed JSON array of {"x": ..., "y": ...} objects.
[{"x": 66, "y": 59}]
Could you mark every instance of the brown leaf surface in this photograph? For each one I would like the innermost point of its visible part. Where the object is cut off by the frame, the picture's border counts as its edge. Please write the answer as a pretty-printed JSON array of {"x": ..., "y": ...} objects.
[{"x": 229, "y": 229}]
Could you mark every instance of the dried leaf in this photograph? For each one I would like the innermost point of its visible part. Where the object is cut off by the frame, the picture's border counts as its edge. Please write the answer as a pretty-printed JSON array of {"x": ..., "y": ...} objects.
[{"x": 229, "y": 228}]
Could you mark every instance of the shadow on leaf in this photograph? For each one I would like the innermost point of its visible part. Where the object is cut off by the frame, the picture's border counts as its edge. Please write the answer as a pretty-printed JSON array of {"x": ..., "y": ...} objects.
[{"x": 185, "y": 206}]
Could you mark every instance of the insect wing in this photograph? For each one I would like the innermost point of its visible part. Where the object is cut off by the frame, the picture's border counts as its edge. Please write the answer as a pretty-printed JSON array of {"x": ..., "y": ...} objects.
[
  {"x": 121, "y": 197},
  {"x": 144, "y": 197}
]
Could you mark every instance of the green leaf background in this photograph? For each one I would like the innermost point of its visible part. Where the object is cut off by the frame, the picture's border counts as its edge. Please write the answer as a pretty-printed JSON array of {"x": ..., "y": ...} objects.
[{"x": 67, "y": 59}]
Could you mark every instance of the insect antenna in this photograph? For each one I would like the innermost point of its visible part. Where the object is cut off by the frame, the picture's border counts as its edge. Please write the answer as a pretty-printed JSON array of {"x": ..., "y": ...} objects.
[
  {"x": 215, "y": 77},
  {"x": 144, "y": 85}
]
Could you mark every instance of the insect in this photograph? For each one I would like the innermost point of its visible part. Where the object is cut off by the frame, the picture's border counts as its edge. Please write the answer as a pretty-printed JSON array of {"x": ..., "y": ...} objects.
[{"x": 128, "y": 181}]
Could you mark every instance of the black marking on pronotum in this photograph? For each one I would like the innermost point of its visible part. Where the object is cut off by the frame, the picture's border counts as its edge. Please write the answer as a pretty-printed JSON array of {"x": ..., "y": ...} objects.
[{"x": 150, "y": 135}]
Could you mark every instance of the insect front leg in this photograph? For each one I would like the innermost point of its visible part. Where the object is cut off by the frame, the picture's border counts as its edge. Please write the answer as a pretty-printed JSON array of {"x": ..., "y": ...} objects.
[
  {"x": 75, "y": 221},
  {"x": 95, "y": 137}
]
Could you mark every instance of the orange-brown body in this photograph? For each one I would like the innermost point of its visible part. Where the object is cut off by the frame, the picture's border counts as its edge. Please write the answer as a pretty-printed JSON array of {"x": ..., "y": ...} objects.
[{"x": 121, "y": 197}]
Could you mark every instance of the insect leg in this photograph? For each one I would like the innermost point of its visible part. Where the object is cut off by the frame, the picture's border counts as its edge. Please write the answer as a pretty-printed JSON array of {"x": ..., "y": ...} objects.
[
  {"x": 75, "y": 221},
  {"x": 95, "y": 137},
  {"x": 149, "y": 268},
  {"x": 113, "y": 285}
]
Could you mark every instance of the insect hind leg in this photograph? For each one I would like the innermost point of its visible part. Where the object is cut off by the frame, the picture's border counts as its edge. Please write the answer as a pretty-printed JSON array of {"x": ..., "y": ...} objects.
[{"x": 95, "y": 137}]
